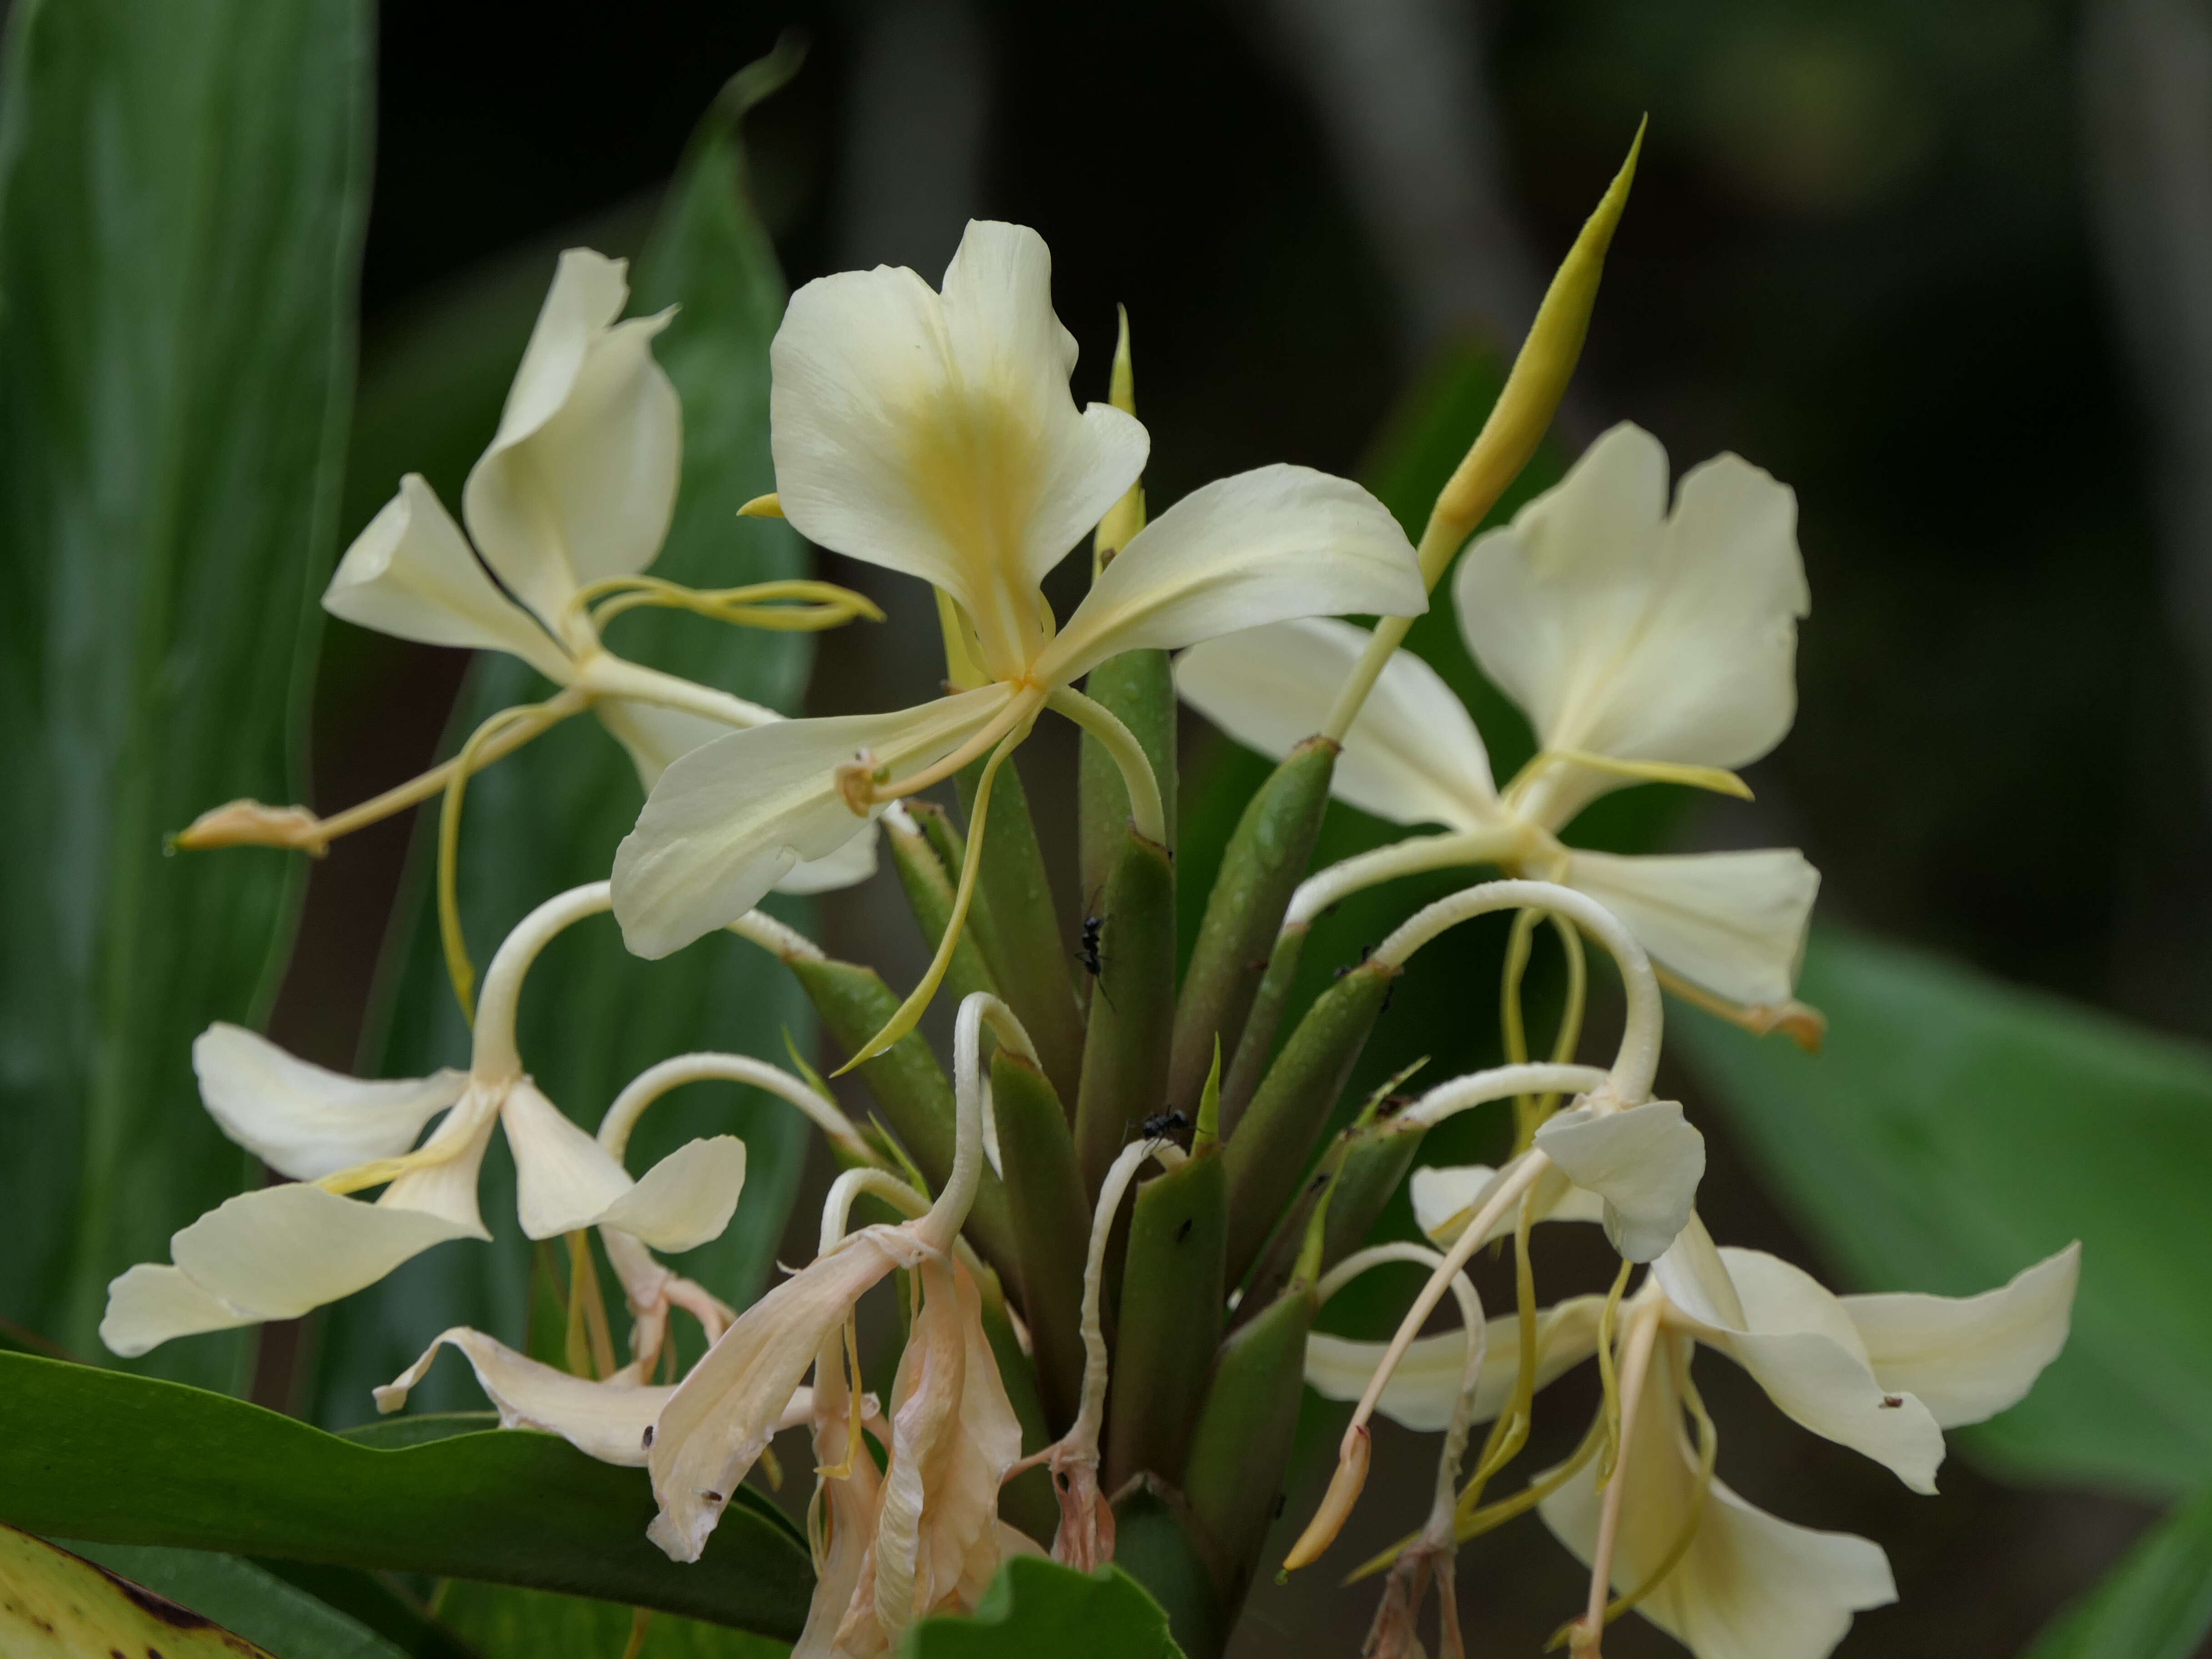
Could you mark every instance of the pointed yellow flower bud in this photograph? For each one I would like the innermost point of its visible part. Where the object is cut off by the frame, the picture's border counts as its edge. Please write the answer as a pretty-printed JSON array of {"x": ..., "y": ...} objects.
[
  {"x": 1524, "y": 408},
  {"x": 1126, "y": 516}
]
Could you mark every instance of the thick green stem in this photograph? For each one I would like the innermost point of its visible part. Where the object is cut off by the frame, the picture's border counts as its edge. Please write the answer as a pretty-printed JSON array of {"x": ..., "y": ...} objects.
[
  {"x": 1268, "y": 1155},
  {"x": 1045, "y": 1198},
  {"x": 930, "y": 895},
  {"x": 1257, "y": 1044},
  {"x": 1138, "y": 688},
  {"x": 911, "y": 1089},
  {"x": 1027, "y": 957},
  {"x": 1126, "y": 1048},
  {"x": 1172, "y": 1292},
  {"x": 1267, "y": 854},
  {"x": 1240, "y": 1448}
]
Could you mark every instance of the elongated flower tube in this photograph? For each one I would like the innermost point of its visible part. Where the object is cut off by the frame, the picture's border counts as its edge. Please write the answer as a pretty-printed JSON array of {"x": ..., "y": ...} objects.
[
  {"x": 715, "y": 1426},
  {"x": 569, "y": 503},
  {"x": 278, "y": 1251},
  {"x": 1643, "y": 644},
  {"x": 934, "y": 434},
  {"x": 1638, "y": 1155}
]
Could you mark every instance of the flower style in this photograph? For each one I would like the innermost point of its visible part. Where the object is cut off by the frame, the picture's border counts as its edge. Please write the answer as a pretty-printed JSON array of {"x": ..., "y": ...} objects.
[
  {"x": 569, "y": 503},
  {"x": 934, "y": 434},
  {"x": 1642, "y": 644},
  {"x": 278, "y": 1251},
  {"x": 1884, "y": 1374}
]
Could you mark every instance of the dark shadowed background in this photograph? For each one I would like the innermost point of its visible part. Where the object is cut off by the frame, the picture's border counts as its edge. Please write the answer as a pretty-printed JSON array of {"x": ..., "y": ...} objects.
[{"x": 1947, "y": 270}]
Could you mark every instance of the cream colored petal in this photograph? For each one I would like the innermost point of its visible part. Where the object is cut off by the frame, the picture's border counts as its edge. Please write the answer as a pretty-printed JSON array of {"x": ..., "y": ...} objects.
[
  {"x": 721, "y": 1415},
  {"x": 655, "y": 737},
  {"x": 302, "y": 1120},
  {"x": 276, "y": 1252},
  {"x": 1751, "y": 1586},
  {"x": 564, "y": 1179},
  {"x": 728, "y": 821},
  {"x": 1968, "y": 1357},
  {"x": 1422, "y": 1390},
  {"x": 150, "y": 1304},
  {"x": 448, "y": 1188},
  {"x": 937, "y": 436},
  {"x": 1733, "y": 922},
  {"x": 684, "y": 1200},
  {"x": 849, "y": 865},
  {"x": 1262, "y": 547},
  {"x": 411, "y": 575},
  {"x": 1446, "y": 1196},
  {"x": 580, "y": 480},
  {"x": 1696, "y": 1280},
  {"x": 1645, "y": 1163},
  {"x": 1628, "y": 632},
  {"x": 1413, "y": 756},
  {"x": 606, "y": 1419},
  {"x": 1800, "y": 1345}
]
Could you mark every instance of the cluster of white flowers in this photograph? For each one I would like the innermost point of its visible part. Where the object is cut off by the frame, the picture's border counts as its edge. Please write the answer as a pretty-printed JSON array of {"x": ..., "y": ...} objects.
[{"x": 933, "y": 432}]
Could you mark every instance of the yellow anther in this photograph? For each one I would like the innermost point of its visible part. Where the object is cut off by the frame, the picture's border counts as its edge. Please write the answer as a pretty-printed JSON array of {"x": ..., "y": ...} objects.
[
  {"x": 770, "y": 505},
  {"x": 1343, "y": 1487},
  {"x": 1718, "y": 778},
  {"x": 250, "y": 823}
]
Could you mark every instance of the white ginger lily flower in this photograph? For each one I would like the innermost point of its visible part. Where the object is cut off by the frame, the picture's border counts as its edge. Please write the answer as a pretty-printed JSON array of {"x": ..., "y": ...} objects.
[
  {"x": 1643, "y": 644},
  {"x": 1884, "y": 1374},
  {"x": 933, "y": 1539},
  {"x": 279, "y": 1251},
  {"x": 575, "y": 492},
  {"x": 934, "y": 434}
]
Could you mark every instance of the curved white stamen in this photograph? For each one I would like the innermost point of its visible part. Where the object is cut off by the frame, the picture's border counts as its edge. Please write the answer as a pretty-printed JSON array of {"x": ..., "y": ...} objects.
[
  {"x": 657, "y": 1080},
  {"x": 1638, "y": 1061},
  {"x": 1339, "y": 881},
  {"x": 1500, "y": 1083},
  {"x": 939, "y": 1228},
  {"x": 496, "y": 1055},
  {"x": 837, "y": 1208}
]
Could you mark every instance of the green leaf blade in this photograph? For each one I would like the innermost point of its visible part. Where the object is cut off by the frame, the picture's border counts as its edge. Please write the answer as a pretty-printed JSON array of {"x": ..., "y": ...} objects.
[
  {"x": 181, "y": 200},
  {"x": 1955, "y": 1131},
  {"x": 122, "y": 1460},
  {"x": 1035, "y": 1606}
]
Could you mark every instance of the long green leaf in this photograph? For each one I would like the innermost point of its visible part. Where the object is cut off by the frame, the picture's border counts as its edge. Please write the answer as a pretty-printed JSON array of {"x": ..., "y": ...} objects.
[
  {"x": 55, "y": 1606},
  {"x": 502, "y": 1622},
  {"x": 549, "y": 818},
  {"x": 181, "y": 195},
  {"x": 242, "y": 1597},
  {"x": 1957, "y": 1129},
  {"x": 2156, "y": 1604},
  {"x": 1035, "y": 1607},
  {"x": 126, "y": 1459}
]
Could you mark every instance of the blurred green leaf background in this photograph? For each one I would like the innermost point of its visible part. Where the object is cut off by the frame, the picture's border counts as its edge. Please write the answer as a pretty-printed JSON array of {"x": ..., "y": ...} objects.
[{"x": 1941, "y": 268}]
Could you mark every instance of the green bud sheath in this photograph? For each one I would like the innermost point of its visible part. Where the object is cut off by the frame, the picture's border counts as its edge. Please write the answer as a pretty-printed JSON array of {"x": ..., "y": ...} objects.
[
  {"x": 1241, "y": 1448},
  {"x": 911, "y": 1089},
  {"x": 1132, "y": 1007},
  {"x": 1172, "y": 1292},
  {"x": 1375, "y": 1166},
  {"x": 1027, "y": 1501},
  {"x": 1257, "y": 1044},
  {"x": 1029, "y": 957},
  {"x": 929, "y": 893},
  {"x": 951, "y": 847},
  {"x": 1046, "y": 1201},
  {"x": 1137, "y": 687},
  {"x": 1269, "y": 1154},
  {"x": 1266, "y": 857},
  {"x": 1155, "y": 1547}
]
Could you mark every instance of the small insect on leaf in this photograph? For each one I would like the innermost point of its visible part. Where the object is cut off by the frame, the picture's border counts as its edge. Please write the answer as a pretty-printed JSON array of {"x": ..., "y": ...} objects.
[
  {"x": 1163, "y": 1123},
  {"x": 1092, "y": 925}
]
